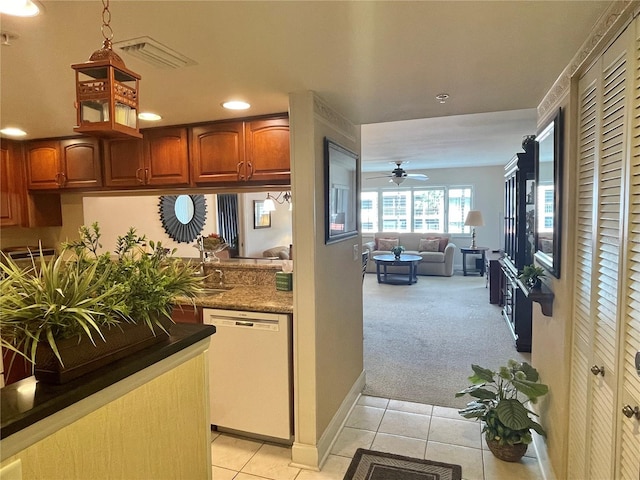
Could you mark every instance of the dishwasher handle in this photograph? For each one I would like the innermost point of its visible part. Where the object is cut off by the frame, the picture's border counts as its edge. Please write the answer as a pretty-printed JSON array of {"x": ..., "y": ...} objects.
[{"x": 256, "y": 324}]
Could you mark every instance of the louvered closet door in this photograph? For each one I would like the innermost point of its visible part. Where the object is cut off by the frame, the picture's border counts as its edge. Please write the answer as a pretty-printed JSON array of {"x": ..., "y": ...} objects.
[
  {"x": 588, "y": 128},
  {"x": 604, "y": 100},
  {"x": 629, "y": 464}
]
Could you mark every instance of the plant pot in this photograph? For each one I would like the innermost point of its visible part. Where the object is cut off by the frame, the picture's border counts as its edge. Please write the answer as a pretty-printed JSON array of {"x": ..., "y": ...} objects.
[
  {"x": 508, "y": 453},
  {"x": 82, "y": 357}
]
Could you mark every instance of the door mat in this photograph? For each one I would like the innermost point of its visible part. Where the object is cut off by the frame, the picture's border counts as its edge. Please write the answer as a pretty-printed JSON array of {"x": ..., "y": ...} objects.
[{"x": 372, "y": 465}]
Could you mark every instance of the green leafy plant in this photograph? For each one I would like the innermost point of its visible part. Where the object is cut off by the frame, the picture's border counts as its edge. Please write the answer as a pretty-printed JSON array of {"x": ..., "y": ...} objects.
[
  {"x": 397, "y": 250},
  {"x": 499, "y": 401},
  {"x": 531, "y": 274},
  {"x": 80, "y": 292}
]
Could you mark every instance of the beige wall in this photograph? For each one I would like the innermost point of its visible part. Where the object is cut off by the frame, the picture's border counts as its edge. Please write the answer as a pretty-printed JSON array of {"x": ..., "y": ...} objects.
[
  {"x": 328, "y": 358},
  {"x": 551, "y": 336}
]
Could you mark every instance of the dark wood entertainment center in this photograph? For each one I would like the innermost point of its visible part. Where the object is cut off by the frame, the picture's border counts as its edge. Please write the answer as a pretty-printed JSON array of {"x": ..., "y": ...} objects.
[{"x": 519, "y": 213}]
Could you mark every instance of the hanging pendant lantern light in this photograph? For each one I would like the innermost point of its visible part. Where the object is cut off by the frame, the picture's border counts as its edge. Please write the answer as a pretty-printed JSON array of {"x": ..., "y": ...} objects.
[{"x": 106, "y": 91}]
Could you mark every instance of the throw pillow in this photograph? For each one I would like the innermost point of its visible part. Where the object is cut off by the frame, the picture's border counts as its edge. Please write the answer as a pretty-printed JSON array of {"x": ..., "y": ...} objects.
[
  {"x": 429, "y": 245},
  {"x": 387, "y": 243},
  {"x": 444, "y": 241}
]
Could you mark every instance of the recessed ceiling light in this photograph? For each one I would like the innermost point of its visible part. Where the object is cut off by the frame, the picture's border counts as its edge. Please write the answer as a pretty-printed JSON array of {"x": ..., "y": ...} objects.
[
  {"x": 19, "y": 8},
  {"x": 236, "y": 105},
  {"x": 150, "y": 117},
  {"x": 442, "y": 97},
  {"x": 13, "y": 132}
]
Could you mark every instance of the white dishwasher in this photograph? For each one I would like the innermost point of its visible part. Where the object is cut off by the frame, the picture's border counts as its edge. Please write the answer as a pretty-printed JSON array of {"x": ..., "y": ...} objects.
[{"x": 250, "y": 380}]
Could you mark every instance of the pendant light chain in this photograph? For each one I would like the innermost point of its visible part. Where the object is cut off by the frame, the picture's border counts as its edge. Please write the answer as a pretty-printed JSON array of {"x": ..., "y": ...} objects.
[{"x": 107, "y": 31}]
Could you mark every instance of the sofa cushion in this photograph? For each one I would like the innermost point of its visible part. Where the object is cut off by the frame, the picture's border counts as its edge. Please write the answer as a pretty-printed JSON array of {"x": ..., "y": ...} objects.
[
  {"x": 432, "y": 257},
  {"x": 429, "y": 245},
  {"x": 443, "y": 241},
  {"x": 387, "y": 243}
]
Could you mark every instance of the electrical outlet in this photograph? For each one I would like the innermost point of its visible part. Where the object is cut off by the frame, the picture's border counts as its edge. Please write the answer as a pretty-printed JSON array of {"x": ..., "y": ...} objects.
[{"x": 356, "y": 253}]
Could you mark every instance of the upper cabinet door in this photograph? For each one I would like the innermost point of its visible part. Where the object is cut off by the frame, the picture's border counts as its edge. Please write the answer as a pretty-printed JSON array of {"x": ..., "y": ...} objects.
[
  {"x": 267, "y": 150},
  {"x": 10, "y": 185},
  {"x": 43, "y": 165},
  {"x": 123, "y": 163},
  {"x": 166, "y": 156},
  {"x": 217, "y": 153},
  {"x": 81, "y": 163}
]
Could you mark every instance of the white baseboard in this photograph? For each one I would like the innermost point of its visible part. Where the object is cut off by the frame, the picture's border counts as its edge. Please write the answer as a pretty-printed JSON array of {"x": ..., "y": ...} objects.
[
  {"x": 312, "y": 457},
  {"x": 540, "y": 446}
]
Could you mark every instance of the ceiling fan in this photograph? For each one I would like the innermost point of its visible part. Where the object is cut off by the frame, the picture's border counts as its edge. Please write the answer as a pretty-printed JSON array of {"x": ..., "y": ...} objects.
[{"x": 399, "y": 175}]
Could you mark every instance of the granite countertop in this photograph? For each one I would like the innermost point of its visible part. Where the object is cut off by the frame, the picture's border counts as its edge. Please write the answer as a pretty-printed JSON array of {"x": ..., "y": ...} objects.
[
  {"x": 26, "y": 402},
  {"x": 256, "y": 298}
]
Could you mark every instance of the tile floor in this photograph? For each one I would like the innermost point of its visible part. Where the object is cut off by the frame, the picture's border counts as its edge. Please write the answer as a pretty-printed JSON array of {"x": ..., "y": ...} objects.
[{"x": 411, "y": 429}]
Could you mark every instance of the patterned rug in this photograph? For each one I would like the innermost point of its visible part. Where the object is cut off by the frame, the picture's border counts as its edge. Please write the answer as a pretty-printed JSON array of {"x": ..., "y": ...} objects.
[{"x": 371, "y": 465}]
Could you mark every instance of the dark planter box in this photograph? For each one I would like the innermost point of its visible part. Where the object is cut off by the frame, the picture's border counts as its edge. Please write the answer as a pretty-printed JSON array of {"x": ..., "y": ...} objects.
[{"x": 81, "y": 357}]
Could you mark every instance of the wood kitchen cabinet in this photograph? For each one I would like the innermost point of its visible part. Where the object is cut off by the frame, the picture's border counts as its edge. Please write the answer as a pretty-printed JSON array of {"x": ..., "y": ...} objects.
[
  {"x": 17, "y": 206},
  {"x": 267, "y": 153},
  {"x": 186, "y": 314},
  {"x": 217, "y": 152},
  {"x": 10, "y": 185},
  {"x": 68, "y": 163},
  {"x": 160, "y": 158},
  {"x": 249, "y": 152}
]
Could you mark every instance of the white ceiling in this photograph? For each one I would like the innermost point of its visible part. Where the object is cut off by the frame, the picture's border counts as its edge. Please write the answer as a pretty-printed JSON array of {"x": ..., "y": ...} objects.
[{"x": 375, "y": 62}]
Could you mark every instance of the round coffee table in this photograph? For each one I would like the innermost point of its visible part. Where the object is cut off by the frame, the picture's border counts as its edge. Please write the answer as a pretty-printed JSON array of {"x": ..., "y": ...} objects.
[{"x": 409, "y": 261}]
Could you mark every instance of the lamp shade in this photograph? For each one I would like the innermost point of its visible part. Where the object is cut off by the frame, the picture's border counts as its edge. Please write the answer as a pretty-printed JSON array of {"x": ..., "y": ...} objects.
[{"x": 474, "y": 219}]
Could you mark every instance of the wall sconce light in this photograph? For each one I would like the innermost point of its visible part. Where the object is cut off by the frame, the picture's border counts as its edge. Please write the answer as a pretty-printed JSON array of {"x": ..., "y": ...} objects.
[
  {"x": 270, "y": 202},
  {"x": 106, "y": 91}
]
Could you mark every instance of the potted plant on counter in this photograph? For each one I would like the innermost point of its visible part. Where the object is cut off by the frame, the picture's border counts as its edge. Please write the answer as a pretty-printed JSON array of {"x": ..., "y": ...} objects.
[
  {"x": 66, "y": 315},
  {"x": 499, "y": 403}
]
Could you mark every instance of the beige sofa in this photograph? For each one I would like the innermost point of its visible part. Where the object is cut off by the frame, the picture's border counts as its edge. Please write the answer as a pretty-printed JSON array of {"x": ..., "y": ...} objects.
[
  {"x": 434, "y": 262},
  {"x": 281, "y": 252}
]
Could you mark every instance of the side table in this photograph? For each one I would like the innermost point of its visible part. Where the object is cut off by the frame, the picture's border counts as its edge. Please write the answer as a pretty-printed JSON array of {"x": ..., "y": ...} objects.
[{"x": 473, "y": 251}]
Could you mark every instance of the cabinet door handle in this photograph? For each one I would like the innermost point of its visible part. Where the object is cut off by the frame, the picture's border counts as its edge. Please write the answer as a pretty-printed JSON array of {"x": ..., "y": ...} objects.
[
  {"x": 60, "y": 179},
  {"x": 146, "y": 176},
  {"x": 629, "y": 411},
  {"x": 239, "y": 169},
  {"x": 596, "y": 370},
  {"x": 138, "y": 177},
  {"x": 250, "y": 168}
]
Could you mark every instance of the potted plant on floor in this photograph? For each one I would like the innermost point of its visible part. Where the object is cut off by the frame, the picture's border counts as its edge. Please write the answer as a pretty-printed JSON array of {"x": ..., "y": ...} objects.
[
  {"x": 65, "y": 312},
  {"x": 499, "y": 403}
]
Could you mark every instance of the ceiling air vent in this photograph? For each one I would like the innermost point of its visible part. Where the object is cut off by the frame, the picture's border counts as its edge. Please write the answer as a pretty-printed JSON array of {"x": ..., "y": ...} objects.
[{"x": 153, "y": 52}]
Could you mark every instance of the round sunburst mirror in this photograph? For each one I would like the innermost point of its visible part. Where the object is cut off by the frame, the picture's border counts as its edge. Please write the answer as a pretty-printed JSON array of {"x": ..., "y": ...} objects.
[{"x": 183, "y": 216}]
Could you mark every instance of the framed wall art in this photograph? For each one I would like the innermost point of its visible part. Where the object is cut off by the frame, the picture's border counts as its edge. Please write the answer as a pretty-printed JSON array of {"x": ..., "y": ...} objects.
[
  {"x": 261, "y": 217},
  {"x": 341, "y": 192}
]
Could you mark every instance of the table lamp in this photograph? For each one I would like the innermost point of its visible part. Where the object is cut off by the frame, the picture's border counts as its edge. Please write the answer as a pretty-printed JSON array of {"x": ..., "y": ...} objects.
[{"x": 473, "y": 220}]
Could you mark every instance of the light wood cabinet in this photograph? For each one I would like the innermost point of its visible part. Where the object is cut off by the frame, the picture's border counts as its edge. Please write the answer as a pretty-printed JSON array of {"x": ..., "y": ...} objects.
[
  {"x": 251, "y": 152},
  {"x": 160, "y": 158},
  {"x": 69, "y": 163}
]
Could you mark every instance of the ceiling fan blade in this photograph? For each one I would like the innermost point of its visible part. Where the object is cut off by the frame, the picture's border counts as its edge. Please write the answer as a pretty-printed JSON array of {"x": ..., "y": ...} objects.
[
  {"x": 381, "y": 176},
  {"x": 418, "y": 176}
]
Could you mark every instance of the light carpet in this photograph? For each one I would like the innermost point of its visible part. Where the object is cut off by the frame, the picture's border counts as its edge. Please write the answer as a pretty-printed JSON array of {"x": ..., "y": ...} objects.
[
  {"x": 420, "y": 340},
  {"x": 372, "y": 465}
]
